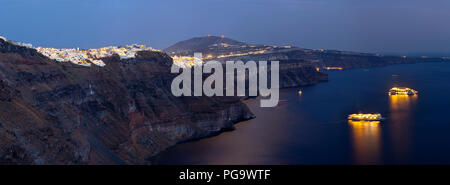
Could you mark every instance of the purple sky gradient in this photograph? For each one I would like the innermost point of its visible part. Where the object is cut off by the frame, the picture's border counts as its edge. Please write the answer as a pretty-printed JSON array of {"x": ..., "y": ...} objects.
[{"x": 403, "y": 27}]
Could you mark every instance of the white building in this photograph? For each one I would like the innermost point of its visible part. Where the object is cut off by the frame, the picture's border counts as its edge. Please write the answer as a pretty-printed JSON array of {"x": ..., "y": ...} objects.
[{"x": 92, "y": 56}]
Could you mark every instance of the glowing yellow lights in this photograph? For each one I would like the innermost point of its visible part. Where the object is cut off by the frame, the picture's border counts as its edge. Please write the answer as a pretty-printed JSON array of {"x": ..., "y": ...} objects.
[
  {"x": 364, "y": 123},
  {"x": 185, "y": 61},
  {"x": 300, "y": 92},
  {"x": 402, "y": 91},
  {"x": 365, "y": 117},
  {"x": 92, "y": 56},
  {"x": 334, "y": 68}
]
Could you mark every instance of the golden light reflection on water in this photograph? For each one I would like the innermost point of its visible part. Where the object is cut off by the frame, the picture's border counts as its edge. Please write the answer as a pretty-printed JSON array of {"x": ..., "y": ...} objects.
[
  {"x": 401, "y": 102},
  {"x": 366, "y": 138},
  {"x": 400, "y": 107}
]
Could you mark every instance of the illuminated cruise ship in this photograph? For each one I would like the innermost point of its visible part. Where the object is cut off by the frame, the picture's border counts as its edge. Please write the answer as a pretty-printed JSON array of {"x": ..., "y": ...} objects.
[
  {"x": 402, "y": 91},
  {"x": 365, "y": 117}
]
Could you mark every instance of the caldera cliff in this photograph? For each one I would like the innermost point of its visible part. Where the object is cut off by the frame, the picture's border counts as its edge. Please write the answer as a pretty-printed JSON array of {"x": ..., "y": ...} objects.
[{"x": 123, "y": 113}]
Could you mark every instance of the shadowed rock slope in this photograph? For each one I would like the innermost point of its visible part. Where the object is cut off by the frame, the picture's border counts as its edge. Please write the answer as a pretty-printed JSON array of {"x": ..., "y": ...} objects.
[{"x": 124, "y": 113}]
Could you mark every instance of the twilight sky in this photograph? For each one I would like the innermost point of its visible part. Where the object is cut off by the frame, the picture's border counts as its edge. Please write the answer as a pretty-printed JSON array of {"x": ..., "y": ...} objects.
[{"x": 403, "y": 27}]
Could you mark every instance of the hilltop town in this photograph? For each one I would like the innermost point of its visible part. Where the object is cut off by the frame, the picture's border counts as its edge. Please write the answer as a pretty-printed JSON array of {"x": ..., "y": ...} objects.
[
  {"x": 86, "y": 57},
  {"x": 92, "y": 56}
]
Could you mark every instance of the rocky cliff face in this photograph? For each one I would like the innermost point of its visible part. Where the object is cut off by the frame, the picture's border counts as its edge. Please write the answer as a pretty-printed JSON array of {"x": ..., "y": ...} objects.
[
  {"x": 294, "y": 73},
  {"x": 124, "y": 113}
]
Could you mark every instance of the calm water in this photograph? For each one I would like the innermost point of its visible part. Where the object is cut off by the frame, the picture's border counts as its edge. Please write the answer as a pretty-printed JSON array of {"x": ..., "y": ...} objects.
[{"x": 312, "y": 128}]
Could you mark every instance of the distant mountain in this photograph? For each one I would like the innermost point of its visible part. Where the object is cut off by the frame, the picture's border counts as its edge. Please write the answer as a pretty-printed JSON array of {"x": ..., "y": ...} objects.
[
  {"x": 225, "y": 49},
  {"x": 213, "y": 45},
  {"x": 202, "y": 42}
]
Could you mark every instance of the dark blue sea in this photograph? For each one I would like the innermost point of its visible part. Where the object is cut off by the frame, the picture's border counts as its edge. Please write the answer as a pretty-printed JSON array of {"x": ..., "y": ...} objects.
[{"x": 312, "y": 128}]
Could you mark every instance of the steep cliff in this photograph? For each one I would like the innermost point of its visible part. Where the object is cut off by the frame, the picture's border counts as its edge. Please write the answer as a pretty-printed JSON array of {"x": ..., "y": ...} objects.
[
  {"x": 123, "y": 113},
  {"x": 295, "y": 73}
]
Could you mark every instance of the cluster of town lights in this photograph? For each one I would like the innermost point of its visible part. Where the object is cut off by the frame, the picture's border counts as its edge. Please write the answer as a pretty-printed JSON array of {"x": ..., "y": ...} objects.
[{"x": 86, "y": 57}]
